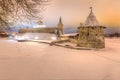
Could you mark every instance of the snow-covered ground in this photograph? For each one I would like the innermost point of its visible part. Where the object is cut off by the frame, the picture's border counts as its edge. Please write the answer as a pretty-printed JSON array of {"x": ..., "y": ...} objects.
[{"x": 38, "y": 61}]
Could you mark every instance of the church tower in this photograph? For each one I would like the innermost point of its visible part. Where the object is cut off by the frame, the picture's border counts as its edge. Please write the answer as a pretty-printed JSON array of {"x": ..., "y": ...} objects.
[
  {"x": 40, "y": 22},
  {"x": 91, "y": 33},
  {"x": 60, "y": 27}
]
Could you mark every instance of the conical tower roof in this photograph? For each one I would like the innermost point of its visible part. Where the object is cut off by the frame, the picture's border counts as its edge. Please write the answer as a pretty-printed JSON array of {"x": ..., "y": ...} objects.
[
  {"x": 60, "y": 21},
  {"x": 91, "y": 19}
]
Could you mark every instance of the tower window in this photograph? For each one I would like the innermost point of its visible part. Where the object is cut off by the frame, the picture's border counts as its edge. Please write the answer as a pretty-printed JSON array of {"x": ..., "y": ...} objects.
[{"x": 87, "y": 34}]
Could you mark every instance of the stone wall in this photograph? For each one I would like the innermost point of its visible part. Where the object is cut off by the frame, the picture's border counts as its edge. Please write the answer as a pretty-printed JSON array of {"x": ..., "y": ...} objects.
[
  {"x": 92, "y": 37},
  {"x": 39, "y": 30}
]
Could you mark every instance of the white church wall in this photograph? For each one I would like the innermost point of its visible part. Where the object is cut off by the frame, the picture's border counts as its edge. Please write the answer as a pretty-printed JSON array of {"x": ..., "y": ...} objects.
[{"x": 36, "y": 36}]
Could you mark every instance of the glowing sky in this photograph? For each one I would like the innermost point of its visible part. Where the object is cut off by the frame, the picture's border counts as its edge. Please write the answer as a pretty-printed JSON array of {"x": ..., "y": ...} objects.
[{"x": 75, "y": 11}]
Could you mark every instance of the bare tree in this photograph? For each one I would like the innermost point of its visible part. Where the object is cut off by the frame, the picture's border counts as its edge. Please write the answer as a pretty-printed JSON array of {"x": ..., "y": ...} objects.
[{"x": 12, "y": 10}]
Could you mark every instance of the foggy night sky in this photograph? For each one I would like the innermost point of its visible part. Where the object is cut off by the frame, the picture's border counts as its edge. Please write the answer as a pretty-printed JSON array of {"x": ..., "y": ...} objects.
[{"x": 75, "y": 11}]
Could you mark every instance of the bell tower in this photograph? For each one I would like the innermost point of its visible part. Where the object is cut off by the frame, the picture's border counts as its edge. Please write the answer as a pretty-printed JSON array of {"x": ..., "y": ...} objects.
[{"x": 60, "y": 27}]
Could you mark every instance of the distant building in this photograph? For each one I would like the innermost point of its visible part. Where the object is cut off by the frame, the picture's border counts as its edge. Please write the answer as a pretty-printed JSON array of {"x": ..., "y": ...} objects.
[
  {"x": 91, "y": 34},
  {"x": 44, "y": 33},
  {"x": 39, "y": 25}
]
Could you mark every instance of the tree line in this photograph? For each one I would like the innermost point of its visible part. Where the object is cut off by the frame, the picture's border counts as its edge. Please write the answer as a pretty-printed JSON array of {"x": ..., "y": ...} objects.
[{"x": 116, "y": 34}]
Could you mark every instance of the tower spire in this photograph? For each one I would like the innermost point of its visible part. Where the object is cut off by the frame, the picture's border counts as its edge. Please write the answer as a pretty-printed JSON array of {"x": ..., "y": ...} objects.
[
  {"x": 91, "y": 9},
  {"x": 60, "y": 20}
]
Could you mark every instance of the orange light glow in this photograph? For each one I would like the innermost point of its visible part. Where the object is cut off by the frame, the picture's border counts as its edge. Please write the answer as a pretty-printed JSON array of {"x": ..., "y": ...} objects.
[{"x": 75, "y": 11}]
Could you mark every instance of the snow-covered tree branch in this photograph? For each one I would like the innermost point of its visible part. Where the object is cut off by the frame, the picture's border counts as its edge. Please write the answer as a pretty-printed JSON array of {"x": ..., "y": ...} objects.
[{"x": 12, "y": 10}]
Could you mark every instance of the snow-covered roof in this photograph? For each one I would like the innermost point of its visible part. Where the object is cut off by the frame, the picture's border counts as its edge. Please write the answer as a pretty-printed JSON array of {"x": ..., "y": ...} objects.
[
  {"x": 72, "y": 34},
  {"x": 91, "y": 19}
]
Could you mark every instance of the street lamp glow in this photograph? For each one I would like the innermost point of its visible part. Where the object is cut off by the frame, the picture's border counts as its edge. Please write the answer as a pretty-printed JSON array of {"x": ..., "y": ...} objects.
[
  {"x": 36, "y": 37},
  {"x": 53, "y": 38}
]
